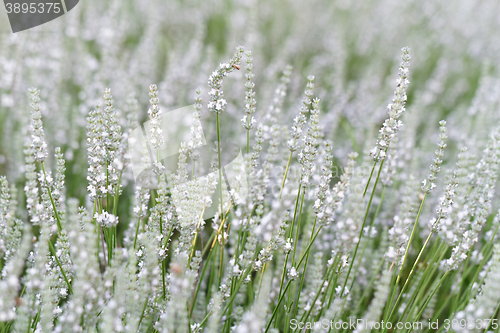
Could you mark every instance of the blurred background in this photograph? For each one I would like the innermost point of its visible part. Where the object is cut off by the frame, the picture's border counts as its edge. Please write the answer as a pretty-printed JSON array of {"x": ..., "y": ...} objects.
[{"x": 351, "y": 47}]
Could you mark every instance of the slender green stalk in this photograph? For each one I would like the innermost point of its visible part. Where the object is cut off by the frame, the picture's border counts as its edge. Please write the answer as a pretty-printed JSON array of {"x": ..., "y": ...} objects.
[
  {"x": 493, "y": 317},
  {"x": 486, "y": 255},
  {"x": 306, "y": 315},
  {"x": 404, "y": 259},
  {"x": 248, "y": 141},
  {"x": 291, "y": 237},
  {"x": 53, "y": 251},
  {"x": 426, "y": 278},
  {"x": 277, "y": 306},
  {"x": 305, "y": 266},
  {"x": 286, "y": 174},
  {"x": 283, "y": 273},
  {"x": 377, "y": 211},
  {"x": 142, "y": 313},
  {"x": 200, "y": 279},
  {"x": 417, "y": 317},
  {"x": 298, "y": 225},
  {"x": 241, "y": 280},
  {"x": 137, "y": 229},
  {"x": 282, "y": 292},
  {"x": 333, "y": 283},
  {"x": 362, "y": 226},
  {"x": 58, "y": 219},
  {"x": 164, "y": 286},
  {"x": 408, "y": 279},
  {"x": 220, "y": 167},
  {"x": 370, "y": 178}
]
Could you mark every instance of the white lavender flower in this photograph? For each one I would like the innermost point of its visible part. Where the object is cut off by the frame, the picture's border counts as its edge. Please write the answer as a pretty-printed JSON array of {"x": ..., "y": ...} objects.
[
  {"x": 248, "y": 120},
  {"x": 308, "y": 153},
  {"x": 196, "y": 139},
  {"x": 5, "y": 213},
  {"x": 485, "y": 304},
  {"x": 96, "y": 149},
  {"x": 37, "y": 135},
  {"x": 488, "y": 167},
  {"x": 58, "y": 191},
  {"x": 112, "y": 139},
  {"x": 451, "y": 226},
  {"x": 310, "y": 298},
  {"x": 429, "y": 184},
  {"x": 10, "y": 280},
  {"x": 292, "y": 273},
  {"x": 217, "y": 102},
  {"x": 157, "y": 139},
  {"x": 31, "y": 189},
  {"x": 300, "y": 120},
  {"x": 334, "y": 198},
  {"x": 326, "y": 175},
  {"x": 106, "y": 219},
  {"x": 396, "y": 108}
]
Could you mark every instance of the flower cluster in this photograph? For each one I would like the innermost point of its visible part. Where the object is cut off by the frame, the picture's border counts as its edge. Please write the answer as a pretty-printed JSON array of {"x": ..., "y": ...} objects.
[
  {"x": 248, "y": 120},
  {"x": 37, "y": 135},
  {"x": 396, "y": 108},
  {"x": 156, "y": 132},
  {"x": 96, "y": 149},
  {"x": 430, "y": 183},
  {"x": 485, "y": 303},
  {"x": 217, "y": 102},
  {"x": 106, "y": 219},
  {"x": 451, "y": 226},
  {"x": 308, "y": 153},
  {"x": 332, "y": 201},
  {"x": 300, "y": 120}
]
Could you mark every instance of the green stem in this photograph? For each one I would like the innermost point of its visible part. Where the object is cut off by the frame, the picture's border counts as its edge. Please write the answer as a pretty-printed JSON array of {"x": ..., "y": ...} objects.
[
  {"x": 117, "y": 194},
  {"x": 220, "y": 168},
  {"x": 58, "y": 219},
  {"x": 363, "y": 225},
  {"x": 408, "y": 278},
  {"x": 404, "y": 260},
  {"x": 428, "y": 273},
  {"x": 429, "y": 298},
  {"x": 486, "y": 256},
  {"x": 318, "y": 293},
  {"x": 305, "y": 266},
  {"x": 53, "y": 250},
  {"x": 370, "y": 178},
  {"x": 142, "y": 313},
  {"x": 286, "y": 174},
  {"x": 200, "y": 279},
  {"x": 277, "y": 306},
  {"x": 377, "y": 211},
  {"x": 137, "y": 229},
  {"x": 298, "y": 225}
]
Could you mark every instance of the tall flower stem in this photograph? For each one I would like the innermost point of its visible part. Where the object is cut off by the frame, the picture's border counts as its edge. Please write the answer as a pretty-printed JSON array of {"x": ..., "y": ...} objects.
[
  {"x": 362, "y": 227},
  {"x": 391, "y": 298},
  {"x": 220, "y": 166},
  {"x": 58, "y": 219}
]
